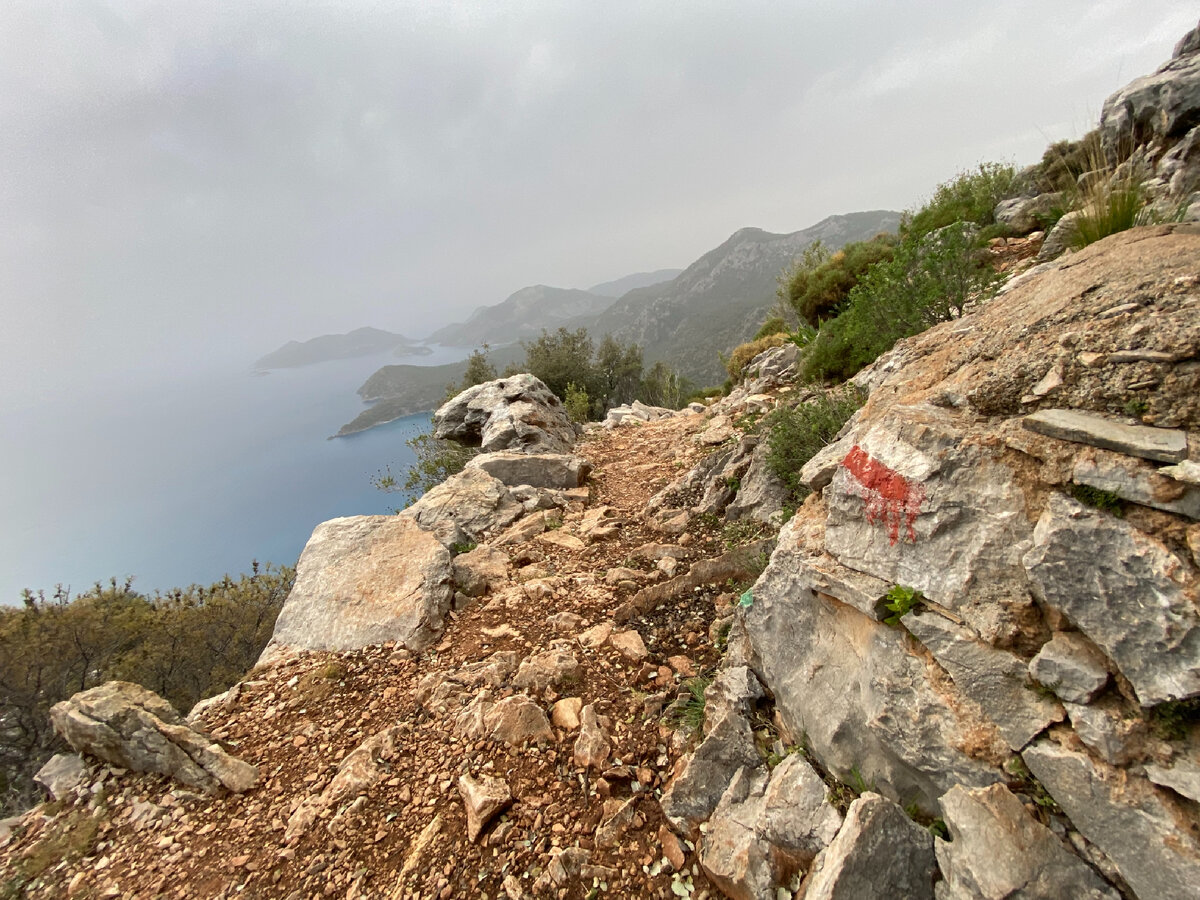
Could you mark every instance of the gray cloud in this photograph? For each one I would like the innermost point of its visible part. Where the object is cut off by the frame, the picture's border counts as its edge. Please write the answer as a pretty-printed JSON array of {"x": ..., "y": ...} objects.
[{"x": 190, "y": 179}]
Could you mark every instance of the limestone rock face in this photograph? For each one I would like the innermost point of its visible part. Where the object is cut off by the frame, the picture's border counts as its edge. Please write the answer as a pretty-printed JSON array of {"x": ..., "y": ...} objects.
[
  {"x": 999, "y": 851},
  {"x": 879, "y": 853},
  {"x": 517, "y": 413},
  {"x": 1126, "y": 591},
  {"x": 994, "y": 679},
  {"x": 561, "y": 471},
  {"x": 865, "y": 701},
  {"x": 1135, "y": 826},
  {"x": 767, "y": 828},
  {"x": 1070, "y": 666},
  {"x": 465, "y": 507},
  {"x": 129, "y": 726},
  {"x": 1165, "y": 104},
  {"x": 366, "y": 580}
]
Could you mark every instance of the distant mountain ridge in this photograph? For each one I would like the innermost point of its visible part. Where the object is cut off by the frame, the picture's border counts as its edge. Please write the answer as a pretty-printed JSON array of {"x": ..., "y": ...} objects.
[
  {"x": 622, "y": 286},
  {"x": 327, "y": 347},
  {"x": 711, "y": 306},
  {"x": 521, "y": 315},
  {"x": 720, "y": 300}
]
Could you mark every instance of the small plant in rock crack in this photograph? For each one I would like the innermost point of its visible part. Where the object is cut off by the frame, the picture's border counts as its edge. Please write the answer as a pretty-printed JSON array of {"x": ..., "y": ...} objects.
[
  {"x": 900, "y": 601},
  {"x": 462, "y": 547},
  {"x": 690, "y": 714},
  {"x": 1106, "y": 501}
]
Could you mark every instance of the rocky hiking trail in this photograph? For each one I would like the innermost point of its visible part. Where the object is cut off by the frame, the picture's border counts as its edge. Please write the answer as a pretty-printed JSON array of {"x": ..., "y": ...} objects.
[{"x": 361, "y": 758}]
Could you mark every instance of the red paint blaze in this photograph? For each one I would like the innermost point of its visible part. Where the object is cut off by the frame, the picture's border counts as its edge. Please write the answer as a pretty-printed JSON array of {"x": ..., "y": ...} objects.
[{"x": 890, "y": 497}]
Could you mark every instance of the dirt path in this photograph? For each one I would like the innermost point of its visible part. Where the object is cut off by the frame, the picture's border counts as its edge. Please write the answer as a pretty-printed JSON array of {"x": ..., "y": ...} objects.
[{"x": 403, "y": 834}]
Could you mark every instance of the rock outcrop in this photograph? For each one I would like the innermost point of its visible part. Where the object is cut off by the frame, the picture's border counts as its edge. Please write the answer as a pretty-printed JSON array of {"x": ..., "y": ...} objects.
[
  {"x": 366, "y": 580},
  {"x": 129, "y": 726},
  {"x": 516, "y": 413}
]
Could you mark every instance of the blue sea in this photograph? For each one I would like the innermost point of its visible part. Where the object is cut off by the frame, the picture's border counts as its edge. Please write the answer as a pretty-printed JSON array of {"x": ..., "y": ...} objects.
[{"x": 183, "y": 479}]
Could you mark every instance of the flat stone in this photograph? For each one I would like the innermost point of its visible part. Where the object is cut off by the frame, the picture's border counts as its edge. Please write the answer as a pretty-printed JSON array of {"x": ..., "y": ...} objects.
[
  {"x": 1137, "y": 481},
  {"x": 1123, "y": 816},
  {"x": 994, "y": 679},
  {"x": 999, "y": 851},
  {"x": 629, "y": 643},
  {"x": 1182, "y": 776},
  {"x": 561, "y": 471},
  {"x": 1125, "y": 590},
  {"x": 517, "y": 719},
  {"x": 1161, "y": 444},
  {"x": 596, "y": 635},
  {"x": 483, "y": 798},
  {"x": 548, "y": 668},
  {"x": 562, "y": 539},
  {"x": 478, "y": 570},
  {"x": 62, "y": 773},
  {"x": 879, "y": 853},
  {"x": 1070, "y": 666},
  {"x": 366, "y": 580}
]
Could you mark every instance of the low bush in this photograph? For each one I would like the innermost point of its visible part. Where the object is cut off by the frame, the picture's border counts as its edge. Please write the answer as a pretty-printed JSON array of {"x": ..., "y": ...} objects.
[
  {"x": 436, "y": 460},
  {"x": 928, "y": 279},
  {"x": 969, "y": 197},
  {"x": 795, "y": 434},
  {"x": 817, "y": 292}
]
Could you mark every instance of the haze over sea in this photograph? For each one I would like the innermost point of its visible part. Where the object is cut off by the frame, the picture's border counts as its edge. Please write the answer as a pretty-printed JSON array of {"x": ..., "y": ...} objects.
[{"x": 188, "y": 476}]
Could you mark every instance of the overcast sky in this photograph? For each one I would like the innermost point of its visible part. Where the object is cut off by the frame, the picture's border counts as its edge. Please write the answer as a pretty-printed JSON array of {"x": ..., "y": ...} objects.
[{"x": 185, "y": 181}]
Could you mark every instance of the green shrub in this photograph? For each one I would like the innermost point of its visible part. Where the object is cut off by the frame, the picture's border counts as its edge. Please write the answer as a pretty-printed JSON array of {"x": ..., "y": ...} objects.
[
  {"x": 1103, "y": 500},
  {"x": 795, "y": 434},
  {"x": 899, "y": 602},
  {"x": 436, "y": 461},
  {"x": 774, "y": 324},
  {"x": 577, "y": 403},
  {"x": 927, "y": 280},
  {"x": 969, "y": 197},
  {"x": 817, "y": 292}
]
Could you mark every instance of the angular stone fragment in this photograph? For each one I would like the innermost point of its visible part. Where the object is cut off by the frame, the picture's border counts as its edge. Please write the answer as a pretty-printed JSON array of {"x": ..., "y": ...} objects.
[
  {"x": 1070, "y": 666},
  {"x": 465, "y": 508},
  {"x": 479, "y": 569},
  {"x": 560, "y": 471},
  {"x": 618, "y": 816},
  {"x": 515, "y": 413},
  {"x": 994, "y": 679},
  {"x": 879, "y": 853},
  {"x": 561, "y": 539},
  {"x": 1125, "y": 817},
  {"x": 767, "y": 827},
  {"x": 998, "y": 851},
  {"x": 483, "y": 798},
  {"x": 1182, "y": 776},
  {"x": 1161, "y": 444},
  {"x": 630, "y": 644},
  {"x": 565, "y": 713},
  {"x": 62, "y": 773},
  {"x": 131, "y": 727},
  {"x": 1136, "y": 481},
  {"x": 517, "y": 719},
  {"x": 552, "y": 667},
  {"x": 592, "y": 747},
  {"x": 1107, "y": 730},
  {"x": 1125, "y": 590},
  {"x": 1186, "y": 471},
  {"x": 728, "y": 745},
  {"x": 819, "y": 471},
  {"x": 366, "y": 580}
]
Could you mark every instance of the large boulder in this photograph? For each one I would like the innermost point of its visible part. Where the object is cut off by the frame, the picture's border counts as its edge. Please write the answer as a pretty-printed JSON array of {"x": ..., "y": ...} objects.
[
  {"x": 1162, "y": 105},
  {"x": 561, "y": 471},
  {"x": 366, "y": 580},
  {"x": 465, "y": 507},
  {"x": 515, "y": 413},
  {"x": 134, "y": 728}
]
